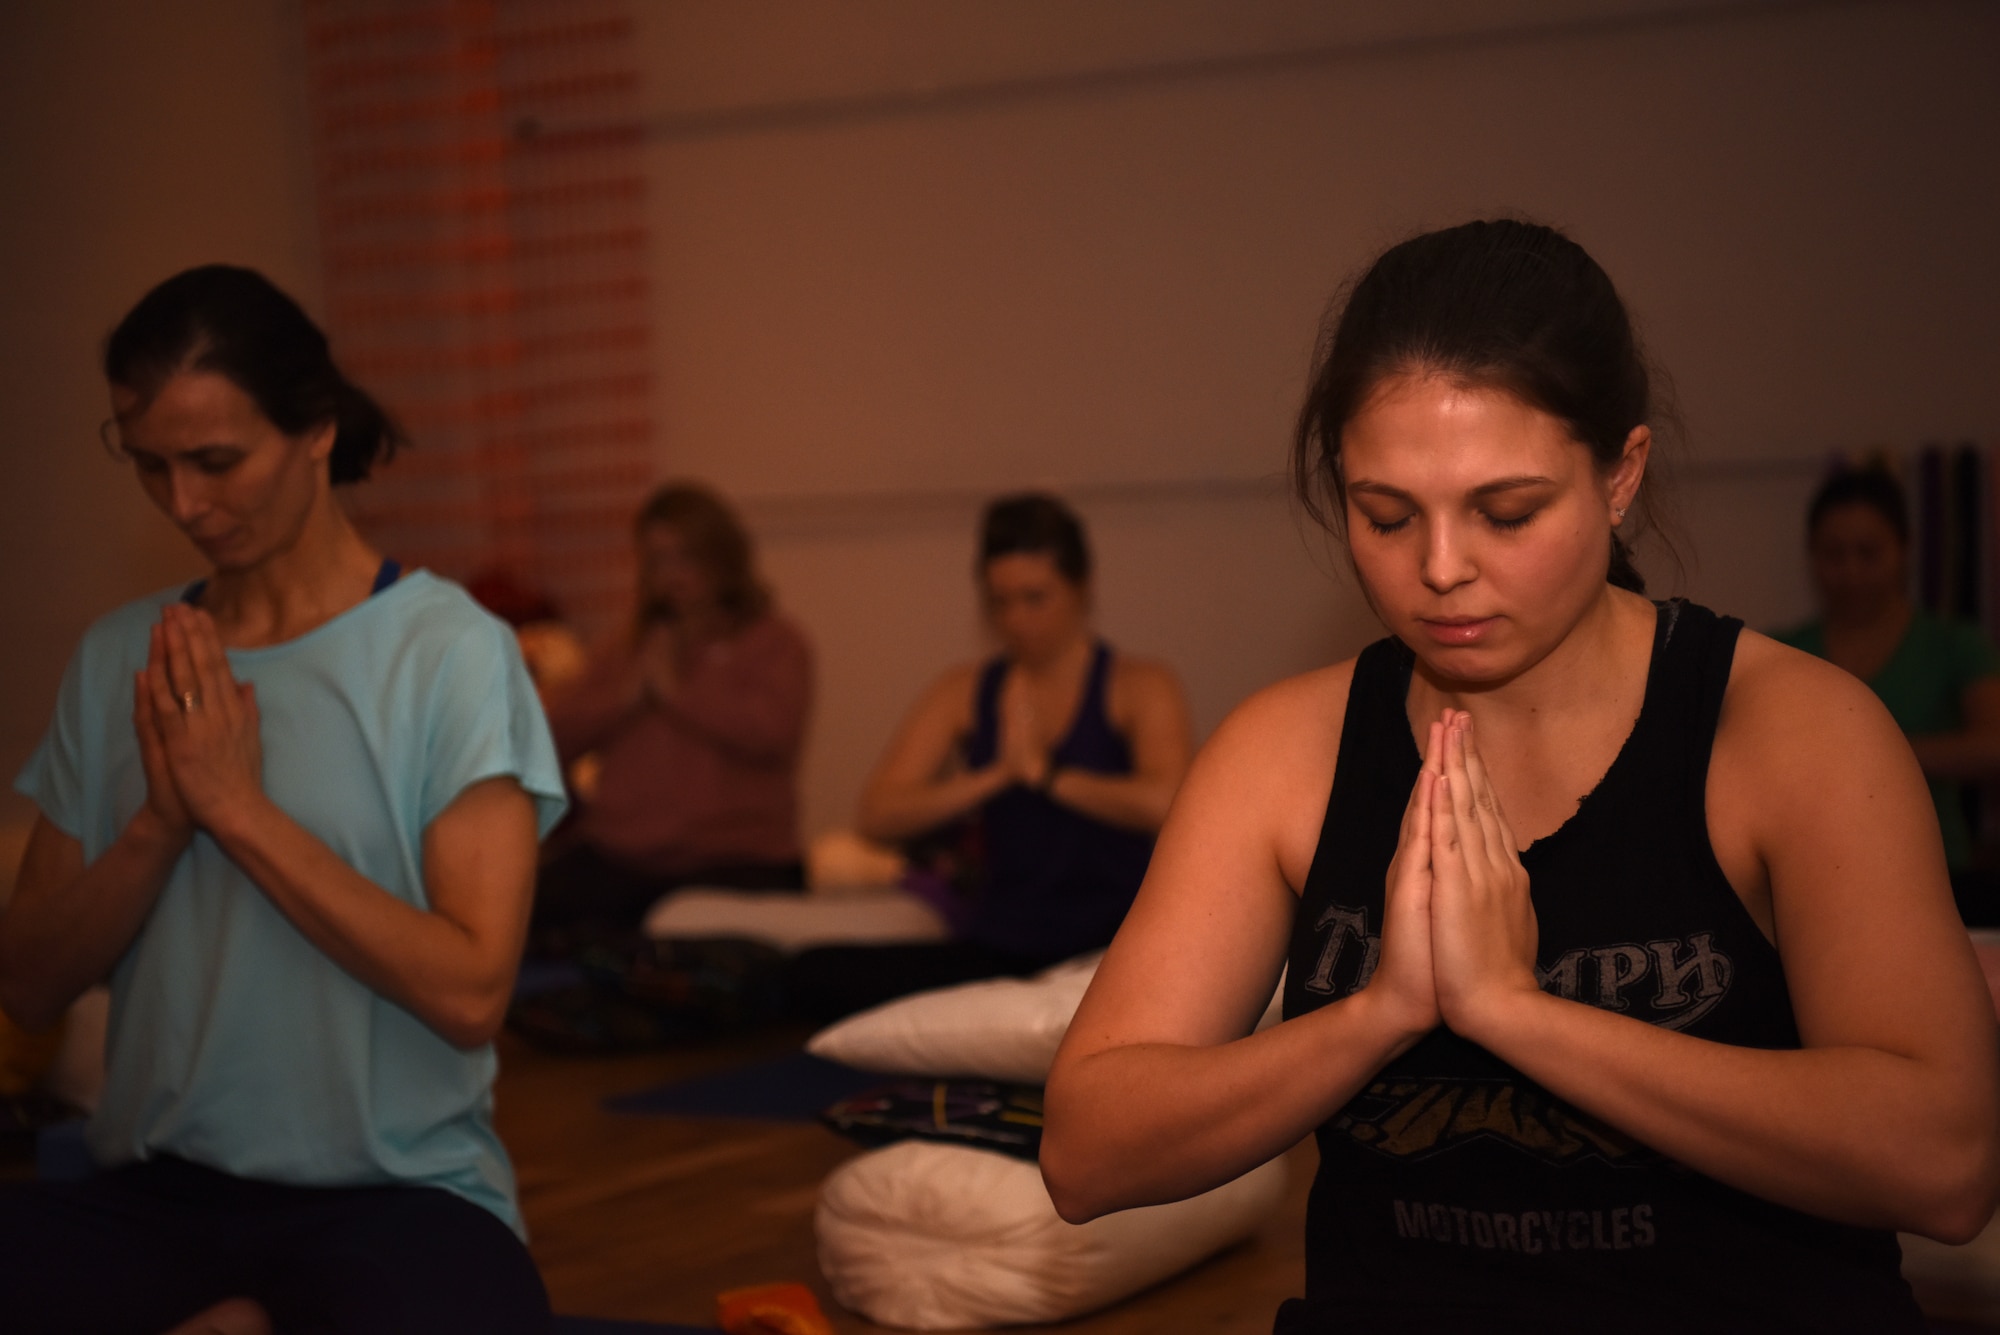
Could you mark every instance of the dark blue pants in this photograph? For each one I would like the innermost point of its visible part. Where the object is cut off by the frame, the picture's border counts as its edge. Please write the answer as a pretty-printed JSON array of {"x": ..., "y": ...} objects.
[{"x": 138, "y": 1249}]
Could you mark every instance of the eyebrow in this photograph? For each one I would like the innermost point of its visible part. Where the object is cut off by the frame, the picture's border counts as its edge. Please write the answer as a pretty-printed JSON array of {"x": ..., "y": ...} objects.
[
  {"x": 191, "y": 452},
  {"x": 1483, "y": 489}
]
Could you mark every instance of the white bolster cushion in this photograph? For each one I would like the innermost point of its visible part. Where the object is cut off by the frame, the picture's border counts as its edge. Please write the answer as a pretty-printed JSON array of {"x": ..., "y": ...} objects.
[
  {"x": 792, "y": 922},
  {"x": 1005, "y": 1029},
  {"x": 943, "y": 1237}
]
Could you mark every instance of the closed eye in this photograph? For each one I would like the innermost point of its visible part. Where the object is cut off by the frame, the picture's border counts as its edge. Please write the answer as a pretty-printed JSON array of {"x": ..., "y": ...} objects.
[
  {"x": 1510, "y": 523},
  {"x": 1392, "y": 526}
]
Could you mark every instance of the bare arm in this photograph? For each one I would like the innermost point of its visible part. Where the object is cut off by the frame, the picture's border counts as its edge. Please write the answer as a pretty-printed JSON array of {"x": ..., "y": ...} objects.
[
  {"x": 1972, "y": 752},
  {"x": 1889, "y": 1114},
  {"x": 1214, "y": 915},
  {"x": 1148, "y": 707},
  {"x": 68, "y": 924},
  {"x": 586, "y": 711},
  {"x": 452, "y": 965},
  {"x": 914, "y": 787}
]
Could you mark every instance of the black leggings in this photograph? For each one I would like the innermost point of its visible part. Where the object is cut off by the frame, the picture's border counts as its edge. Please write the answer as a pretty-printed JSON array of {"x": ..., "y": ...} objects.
[{"x": 139, "y": 1249}]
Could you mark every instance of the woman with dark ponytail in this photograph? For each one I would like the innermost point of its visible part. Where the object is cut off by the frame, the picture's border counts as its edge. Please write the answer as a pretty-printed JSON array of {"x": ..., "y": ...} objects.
[
  {"x": 1623, "y": 983},
  {"x": 289, "y": 813}
]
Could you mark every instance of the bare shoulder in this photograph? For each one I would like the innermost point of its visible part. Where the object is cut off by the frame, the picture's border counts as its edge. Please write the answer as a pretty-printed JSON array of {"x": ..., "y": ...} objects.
[
  {"x": 1814, "y": 797},
  {"x": 1301, "y": 713},
  {"x": 1269, "y": 767},
  {"x": 1786, "y": 711},
  {"x": 951, "y": 696},
  {"x": 1149, "y": 675},
  {"x": 1143, "y": 685}
]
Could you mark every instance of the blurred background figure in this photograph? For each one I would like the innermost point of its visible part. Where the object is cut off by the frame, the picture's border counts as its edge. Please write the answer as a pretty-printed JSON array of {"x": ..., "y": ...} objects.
[
  {"x": 1939, "y": 676},
  {"x": 552, "y": 650},
  {"x": 1033, "y": 783},
  {"x": 693, "y": 722}
]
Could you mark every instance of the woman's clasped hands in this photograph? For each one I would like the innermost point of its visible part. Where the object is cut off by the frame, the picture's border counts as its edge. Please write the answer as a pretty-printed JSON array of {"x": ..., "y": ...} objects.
[
  {"x": 197, "y": 726},
  {"x": 1459, "y": 932},
  {"x": 1023, "y": 755}
]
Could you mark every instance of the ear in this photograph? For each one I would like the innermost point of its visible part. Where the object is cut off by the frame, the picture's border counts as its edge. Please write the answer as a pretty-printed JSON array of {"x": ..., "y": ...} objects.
[
  {"x": 1629, "y": 472},
  {"x": 319, "y": 442}
]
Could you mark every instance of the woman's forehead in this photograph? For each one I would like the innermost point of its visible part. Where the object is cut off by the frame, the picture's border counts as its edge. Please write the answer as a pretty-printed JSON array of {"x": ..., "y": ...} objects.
[
  {"x": 1437, "y": 434},
  {"x": 1021, "y": 568},
  {"x": 1853, "y": 520},
  {"x": 186, "y": 411}
]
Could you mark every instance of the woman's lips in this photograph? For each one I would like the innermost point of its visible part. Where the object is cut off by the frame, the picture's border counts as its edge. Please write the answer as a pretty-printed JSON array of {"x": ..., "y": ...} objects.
[
  {"x": 1458, "y": 630},
  {"x": 211, "y": 544}
]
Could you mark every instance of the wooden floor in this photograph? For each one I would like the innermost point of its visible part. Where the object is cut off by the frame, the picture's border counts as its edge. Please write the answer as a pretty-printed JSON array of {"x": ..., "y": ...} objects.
[{"x": 648, "y": 1217}]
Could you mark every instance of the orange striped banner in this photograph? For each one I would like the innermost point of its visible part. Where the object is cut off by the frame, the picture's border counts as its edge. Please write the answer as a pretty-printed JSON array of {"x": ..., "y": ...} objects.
[{"x": 482, "y": 203}]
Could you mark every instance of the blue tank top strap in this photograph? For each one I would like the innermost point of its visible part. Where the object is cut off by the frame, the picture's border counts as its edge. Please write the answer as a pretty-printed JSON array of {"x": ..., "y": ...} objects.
[{"x": 386, "y": 574}]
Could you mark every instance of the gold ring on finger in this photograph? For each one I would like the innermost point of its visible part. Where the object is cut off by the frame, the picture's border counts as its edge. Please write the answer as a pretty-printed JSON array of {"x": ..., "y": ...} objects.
[{"x": 189, "y": 702}]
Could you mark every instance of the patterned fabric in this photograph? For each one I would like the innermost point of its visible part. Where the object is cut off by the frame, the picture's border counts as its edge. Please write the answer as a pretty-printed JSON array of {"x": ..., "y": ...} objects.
[{"x": 979, "y": 1113}]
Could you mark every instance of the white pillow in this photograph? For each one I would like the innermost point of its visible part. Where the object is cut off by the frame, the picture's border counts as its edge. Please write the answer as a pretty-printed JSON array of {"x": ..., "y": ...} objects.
[
  {"x": 792, "y": 922},
  {"x": 943, "y": 1237},
  {"x": 999, "y": 1029}
]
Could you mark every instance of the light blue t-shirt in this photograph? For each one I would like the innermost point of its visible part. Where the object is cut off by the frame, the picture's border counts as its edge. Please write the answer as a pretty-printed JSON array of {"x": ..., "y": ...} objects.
[{"x": 234, "y": 1041}]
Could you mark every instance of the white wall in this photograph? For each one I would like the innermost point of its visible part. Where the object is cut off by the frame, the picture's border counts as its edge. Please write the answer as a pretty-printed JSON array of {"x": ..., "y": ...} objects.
[
  {"x": 928, "y": 253},
  {"x": 909, "y": 253},
  {"x": 135, "y": 140}
]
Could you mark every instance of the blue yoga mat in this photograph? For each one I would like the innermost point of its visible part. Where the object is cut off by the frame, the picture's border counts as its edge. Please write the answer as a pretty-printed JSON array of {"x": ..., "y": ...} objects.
[
  {"x": 539, "y": 976},
  {"x": 792, "y": 1088},
  {"x": 590, "y": 1325},
  {"x": 61, "y": 1155}
]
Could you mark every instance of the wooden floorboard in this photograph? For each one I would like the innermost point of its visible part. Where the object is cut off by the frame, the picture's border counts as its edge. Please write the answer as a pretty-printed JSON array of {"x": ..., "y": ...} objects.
[{"x": 647, "y": 1217}]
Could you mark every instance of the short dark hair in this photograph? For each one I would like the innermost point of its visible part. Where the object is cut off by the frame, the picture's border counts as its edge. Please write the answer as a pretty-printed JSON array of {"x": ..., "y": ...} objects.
[
  {"x": 238, "y": 324},
  {"x": 1037, "y": 522},
  {"x": 1872, "y": 486},
  {"x": 1504, "y": 304}
]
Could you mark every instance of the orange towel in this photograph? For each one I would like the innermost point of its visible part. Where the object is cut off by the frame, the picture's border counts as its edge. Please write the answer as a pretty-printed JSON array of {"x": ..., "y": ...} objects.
[
  {"x": 771, "y": 1309},
  {"x": 24, "y": 1057}
]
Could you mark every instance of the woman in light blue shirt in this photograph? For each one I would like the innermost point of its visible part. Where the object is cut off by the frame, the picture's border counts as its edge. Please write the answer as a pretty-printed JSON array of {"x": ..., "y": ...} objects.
[{"x": 290, "y": 813}]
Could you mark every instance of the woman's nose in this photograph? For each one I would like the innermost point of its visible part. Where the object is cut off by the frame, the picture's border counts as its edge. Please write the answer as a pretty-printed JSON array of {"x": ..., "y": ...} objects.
[
  {"x": 189, "y": 496},
  {"x": 1446, "y": 561}
]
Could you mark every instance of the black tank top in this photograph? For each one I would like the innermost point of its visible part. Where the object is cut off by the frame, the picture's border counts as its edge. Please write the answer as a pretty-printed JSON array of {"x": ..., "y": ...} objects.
[
  {"x": 1456, "y": 1194},
  {"x": 1057, "y": 882}
]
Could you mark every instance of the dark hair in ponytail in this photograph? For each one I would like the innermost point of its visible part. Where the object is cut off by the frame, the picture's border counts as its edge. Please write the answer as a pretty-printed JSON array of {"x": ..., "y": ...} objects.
[
  {"x": 236, "y": 323},
  {"x": 1508, "y": 305}
]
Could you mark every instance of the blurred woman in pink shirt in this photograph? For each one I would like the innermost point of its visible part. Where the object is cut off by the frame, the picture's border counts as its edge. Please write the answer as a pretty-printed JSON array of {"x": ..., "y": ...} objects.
[{"x": 695, "y": 721}]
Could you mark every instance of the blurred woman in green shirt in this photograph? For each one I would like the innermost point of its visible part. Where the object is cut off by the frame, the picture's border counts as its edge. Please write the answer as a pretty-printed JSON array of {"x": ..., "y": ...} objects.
[{"x": 1939, "y": 677}]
